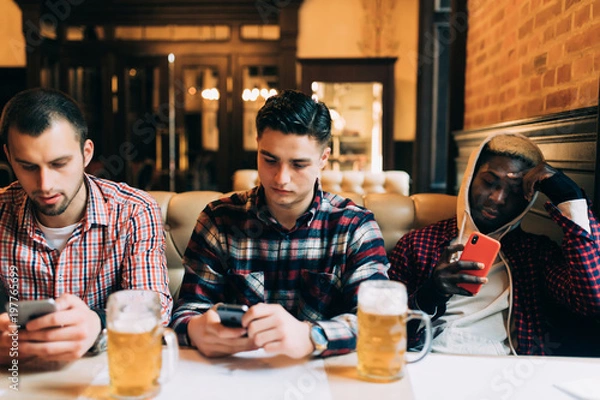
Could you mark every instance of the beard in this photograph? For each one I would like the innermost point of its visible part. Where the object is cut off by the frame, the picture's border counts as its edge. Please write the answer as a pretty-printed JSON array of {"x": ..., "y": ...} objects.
[
  {"x": 54, "y": 209},
  {"x": 57, "y": 209}
]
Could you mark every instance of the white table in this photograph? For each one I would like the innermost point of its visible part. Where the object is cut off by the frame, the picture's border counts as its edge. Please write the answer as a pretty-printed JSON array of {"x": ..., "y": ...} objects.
[{"x": 247, "y": 377}]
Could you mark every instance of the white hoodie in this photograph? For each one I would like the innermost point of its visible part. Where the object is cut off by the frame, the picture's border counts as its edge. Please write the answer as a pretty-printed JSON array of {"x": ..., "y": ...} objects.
[{"x": 479, "y": 324}]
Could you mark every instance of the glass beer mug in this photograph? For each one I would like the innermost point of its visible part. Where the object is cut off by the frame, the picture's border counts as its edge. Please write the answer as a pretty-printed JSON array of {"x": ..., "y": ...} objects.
[
  {"x": 135, "y": 336},
  {"x": 382, "y": 316}
]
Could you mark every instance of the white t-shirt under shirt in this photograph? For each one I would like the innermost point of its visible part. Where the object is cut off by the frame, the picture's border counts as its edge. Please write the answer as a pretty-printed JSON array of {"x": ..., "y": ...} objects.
[{"x": 57, "y": 237}]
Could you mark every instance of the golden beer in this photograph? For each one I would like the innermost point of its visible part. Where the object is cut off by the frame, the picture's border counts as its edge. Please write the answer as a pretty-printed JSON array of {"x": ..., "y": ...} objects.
[
  {"x": 134, "y": 362},
  {"x": 382, "y": 316},
  {"x": 381, "y": 345},
  {"x": 135, "y": 337}
]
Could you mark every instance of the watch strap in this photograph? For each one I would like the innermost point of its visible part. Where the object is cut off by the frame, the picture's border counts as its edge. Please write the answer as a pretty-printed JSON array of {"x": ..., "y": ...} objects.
[{"x": 100, "y": 344}]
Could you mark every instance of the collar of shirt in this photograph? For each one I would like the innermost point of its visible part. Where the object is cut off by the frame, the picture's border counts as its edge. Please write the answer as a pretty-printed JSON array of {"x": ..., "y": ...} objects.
[{"x": 257, "y": 204}]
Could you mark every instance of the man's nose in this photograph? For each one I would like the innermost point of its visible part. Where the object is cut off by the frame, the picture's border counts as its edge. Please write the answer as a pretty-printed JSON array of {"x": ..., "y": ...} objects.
[
  {"x": 499, "y": 195},
  {"x": 45, "y": 180},
  {"x": 283, "y": 175}
]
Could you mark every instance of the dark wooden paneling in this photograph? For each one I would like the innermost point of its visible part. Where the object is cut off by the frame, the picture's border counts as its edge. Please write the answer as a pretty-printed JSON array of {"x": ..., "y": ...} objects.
[
  {"x": 568, "y": 141},
  {"x": 440, "y": 92},
  {"x": 161, "y": 12},
  {"x": 108, "y": 54},
  {"x": 13, "y": 81},
  {"x": 404, "y": 152}
]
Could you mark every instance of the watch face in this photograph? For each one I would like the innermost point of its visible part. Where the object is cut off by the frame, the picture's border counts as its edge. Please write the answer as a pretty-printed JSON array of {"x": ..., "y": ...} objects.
[{"x": 318, "y": 338}]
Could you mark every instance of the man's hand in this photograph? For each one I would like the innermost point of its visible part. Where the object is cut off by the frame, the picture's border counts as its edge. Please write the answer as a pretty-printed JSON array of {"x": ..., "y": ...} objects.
[
  {"x": 446, "y": 275},
  {"x": 274, "y": 329},
  {"x": 64, "y": 335},
  {"x": 8, "y": 332},
  {"x": 533, "y": 177},
  {"x": 213, "y": 339}
]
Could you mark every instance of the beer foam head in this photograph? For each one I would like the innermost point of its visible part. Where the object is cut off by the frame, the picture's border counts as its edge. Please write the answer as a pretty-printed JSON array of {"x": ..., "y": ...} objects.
[
  {"x": 133, "y": 323},
  {"x": 383, "y": 298}
]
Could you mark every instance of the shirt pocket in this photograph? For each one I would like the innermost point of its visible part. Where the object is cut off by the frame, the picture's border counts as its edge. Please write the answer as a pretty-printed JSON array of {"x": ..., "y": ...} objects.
[
  {"x": 320, "y": 294},
  {"x": 246, "y": 288}
]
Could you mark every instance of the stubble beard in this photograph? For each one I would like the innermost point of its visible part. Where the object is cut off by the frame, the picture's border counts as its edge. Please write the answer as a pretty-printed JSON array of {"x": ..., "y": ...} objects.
[{"x": 58, "y": 209}]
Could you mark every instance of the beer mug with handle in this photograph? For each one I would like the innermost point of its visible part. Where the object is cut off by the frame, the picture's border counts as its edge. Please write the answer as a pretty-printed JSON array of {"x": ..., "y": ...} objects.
[
  {"x": 135, "y": 335},
  {"x": 382, "y": 316}
]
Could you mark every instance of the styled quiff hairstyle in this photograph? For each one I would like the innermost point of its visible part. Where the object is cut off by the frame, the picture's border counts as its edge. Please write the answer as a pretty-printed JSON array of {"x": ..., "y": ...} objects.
[{"x": 293, "y": 112}]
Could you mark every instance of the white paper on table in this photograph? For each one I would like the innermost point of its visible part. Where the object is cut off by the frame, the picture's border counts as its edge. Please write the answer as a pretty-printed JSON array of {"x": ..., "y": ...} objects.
[
  {"x": 452, "y": 377},
  {"x": 250, "y": 375},
  {"x": 584, "y": 389}
]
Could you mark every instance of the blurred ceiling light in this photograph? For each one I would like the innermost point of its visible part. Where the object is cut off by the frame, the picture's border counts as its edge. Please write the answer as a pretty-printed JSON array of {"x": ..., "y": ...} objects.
[
  {"x": 211, "y": 94},
  {"x": 252, "y": 94}
]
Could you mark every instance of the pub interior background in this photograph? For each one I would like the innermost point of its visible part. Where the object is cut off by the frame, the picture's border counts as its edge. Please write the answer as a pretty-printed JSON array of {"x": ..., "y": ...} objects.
[{"x": 170, "y": 88}]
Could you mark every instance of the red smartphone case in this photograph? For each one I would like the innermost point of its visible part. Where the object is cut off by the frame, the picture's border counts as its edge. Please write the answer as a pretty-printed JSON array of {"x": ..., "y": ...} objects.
[{"x": 483, "y": 249}]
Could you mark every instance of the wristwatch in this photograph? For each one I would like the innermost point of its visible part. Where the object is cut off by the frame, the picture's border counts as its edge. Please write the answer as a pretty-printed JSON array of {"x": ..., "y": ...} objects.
[
  {"x": 100, "y": 344},
  {"x": 318, "y": 338}
]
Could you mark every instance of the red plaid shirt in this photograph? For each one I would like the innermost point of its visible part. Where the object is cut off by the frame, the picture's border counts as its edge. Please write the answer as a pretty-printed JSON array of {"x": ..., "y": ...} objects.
[
  {"x": 543, "y": 273},
  {"x": 119, "y": 244}
]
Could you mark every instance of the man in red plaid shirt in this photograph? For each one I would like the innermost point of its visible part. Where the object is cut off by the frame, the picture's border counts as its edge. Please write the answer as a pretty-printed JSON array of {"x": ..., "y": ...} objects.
[
  {"x": 67, "y": 235},
  {"x": 531, "y": 279},
  {"x": 291, "y": 252}
]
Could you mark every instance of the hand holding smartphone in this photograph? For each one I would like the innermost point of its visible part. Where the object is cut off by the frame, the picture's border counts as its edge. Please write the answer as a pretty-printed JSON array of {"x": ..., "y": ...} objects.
[
  {"x": 231, "y": 314},
  {"x": 483, "y": 249},
  {"x": 28, "y": 310}
]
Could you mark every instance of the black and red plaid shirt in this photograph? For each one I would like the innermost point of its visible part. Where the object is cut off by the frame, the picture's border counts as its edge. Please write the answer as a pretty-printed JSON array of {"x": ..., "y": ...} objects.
[
  {"x": 543, "y": 273},
  {"x": 239, "y": 253}
]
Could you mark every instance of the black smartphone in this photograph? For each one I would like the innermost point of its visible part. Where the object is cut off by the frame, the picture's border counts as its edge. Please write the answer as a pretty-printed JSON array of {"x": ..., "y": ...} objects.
[
  {"x": 231, "y": 314},
  {"x": 26, "y": 310}
]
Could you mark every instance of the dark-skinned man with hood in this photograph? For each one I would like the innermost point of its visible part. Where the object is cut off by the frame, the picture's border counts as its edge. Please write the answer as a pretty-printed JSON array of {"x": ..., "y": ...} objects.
[{"x": 531, "y": 278}]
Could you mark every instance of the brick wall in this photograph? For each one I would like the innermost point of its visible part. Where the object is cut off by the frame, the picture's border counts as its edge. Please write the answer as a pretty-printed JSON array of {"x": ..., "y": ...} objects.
[{"x": 527, "y": 58}]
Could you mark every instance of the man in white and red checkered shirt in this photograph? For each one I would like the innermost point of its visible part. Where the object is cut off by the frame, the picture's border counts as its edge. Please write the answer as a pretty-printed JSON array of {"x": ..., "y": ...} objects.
[{"x": 67, "y": 235}]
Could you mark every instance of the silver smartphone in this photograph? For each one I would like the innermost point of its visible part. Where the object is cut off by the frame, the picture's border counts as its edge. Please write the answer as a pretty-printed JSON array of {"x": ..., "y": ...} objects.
[
  {"x": 231, "y": 314},
  {"x": 26, "y": 310}
]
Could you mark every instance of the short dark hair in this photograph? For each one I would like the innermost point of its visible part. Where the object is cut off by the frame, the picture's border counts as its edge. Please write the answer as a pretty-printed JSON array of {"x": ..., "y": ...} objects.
[
  {"x": 32, "y": 112},
  {"x": 293, "y": 112}
]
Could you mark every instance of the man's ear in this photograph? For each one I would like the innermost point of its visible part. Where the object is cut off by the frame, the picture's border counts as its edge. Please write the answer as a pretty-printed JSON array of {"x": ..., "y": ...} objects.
[
  {"x": 88, "y": 152},
  {"x": 6, "y": 152},
  {"x": 324, "y": 157}
]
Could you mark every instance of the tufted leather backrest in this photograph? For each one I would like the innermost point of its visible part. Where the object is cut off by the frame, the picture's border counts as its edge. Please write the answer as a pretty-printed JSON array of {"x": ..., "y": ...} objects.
[
  {"x": 357, "y": 182},
  {"x": 395, "y": 213},
  {"x": 365, "y": 182},
  {"x": 432, "y": 207},
  {"x": 180, "y": 212},
  {"x": 245, "y": 179}
]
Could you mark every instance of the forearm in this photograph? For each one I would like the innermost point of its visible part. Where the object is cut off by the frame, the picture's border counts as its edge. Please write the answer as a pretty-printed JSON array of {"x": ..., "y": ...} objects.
[
  {"x": 573, "y": 275},
  {"x": 576, "y": 211},
  {"x": 202, "y": 287}
]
